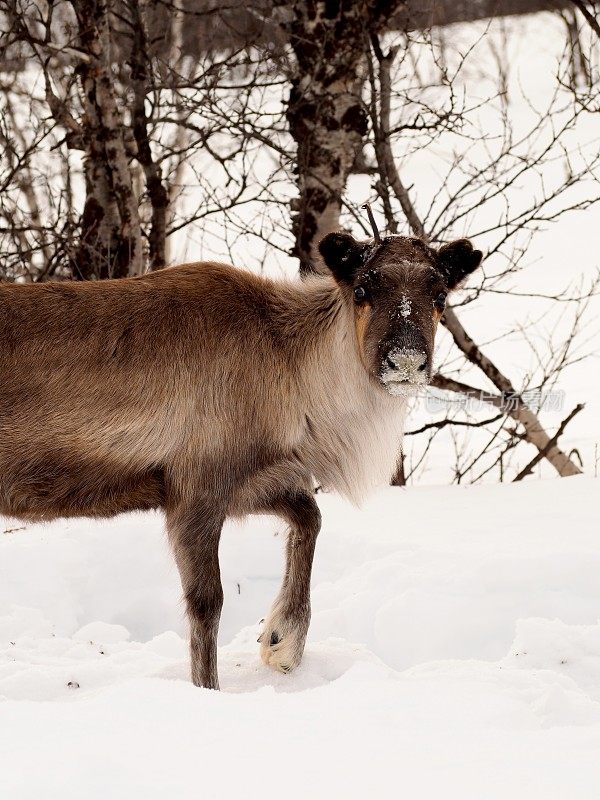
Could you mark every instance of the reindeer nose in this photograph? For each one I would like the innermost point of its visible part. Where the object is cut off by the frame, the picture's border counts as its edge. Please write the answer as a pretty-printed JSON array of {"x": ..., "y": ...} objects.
[{"x": 406, "y": 364}]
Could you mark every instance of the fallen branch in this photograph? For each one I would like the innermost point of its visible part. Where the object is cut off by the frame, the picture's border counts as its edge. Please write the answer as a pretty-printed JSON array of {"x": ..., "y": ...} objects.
[{"x": 551, "y": 443}]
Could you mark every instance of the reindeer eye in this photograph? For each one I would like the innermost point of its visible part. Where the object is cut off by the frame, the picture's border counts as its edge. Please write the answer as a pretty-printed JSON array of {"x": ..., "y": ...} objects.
[
  {"x": 440, "y": 301},
  {"x": 359, "y": 294}
]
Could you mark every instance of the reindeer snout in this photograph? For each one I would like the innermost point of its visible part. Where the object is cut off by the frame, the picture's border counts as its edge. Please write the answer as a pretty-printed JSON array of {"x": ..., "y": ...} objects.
[{"x": 405, "y": 365}]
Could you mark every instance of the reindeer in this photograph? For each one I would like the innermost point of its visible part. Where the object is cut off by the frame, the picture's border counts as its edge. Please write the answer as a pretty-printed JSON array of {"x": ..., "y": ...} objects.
[{"x": 210, "y": 392}]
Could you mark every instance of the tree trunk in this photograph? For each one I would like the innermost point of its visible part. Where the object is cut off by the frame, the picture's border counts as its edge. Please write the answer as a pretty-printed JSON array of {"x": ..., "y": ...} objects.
[
  {"x": 111, "y": 239},
  {"x": 141, "y": 74},
  {"x": 326, "y": 117}
]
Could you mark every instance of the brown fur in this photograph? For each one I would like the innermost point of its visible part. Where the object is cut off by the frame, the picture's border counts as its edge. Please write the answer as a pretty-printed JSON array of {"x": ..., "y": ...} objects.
[{"x": 207, "y": 392}]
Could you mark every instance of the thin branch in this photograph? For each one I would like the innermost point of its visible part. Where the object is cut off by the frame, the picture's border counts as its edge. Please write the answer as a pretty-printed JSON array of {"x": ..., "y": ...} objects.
[
  {"x": 591, "y": 19},
  {"x": 551, "y": 443}
]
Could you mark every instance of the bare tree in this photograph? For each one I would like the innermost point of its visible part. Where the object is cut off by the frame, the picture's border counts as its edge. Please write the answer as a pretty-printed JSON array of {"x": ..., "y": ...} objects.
[
  {"x": 491, "y": 178},
  {"x": 128, "y": 116},
  {"x": 325, "y": 114}
]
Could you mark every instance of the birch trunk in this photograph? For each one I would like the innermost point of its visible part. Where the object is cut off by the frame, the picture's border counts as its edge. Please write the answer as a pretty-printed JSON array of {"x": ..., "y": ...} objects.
[
  {"x": 326, "y": 117},
  {"x": 111, "y": 238}
]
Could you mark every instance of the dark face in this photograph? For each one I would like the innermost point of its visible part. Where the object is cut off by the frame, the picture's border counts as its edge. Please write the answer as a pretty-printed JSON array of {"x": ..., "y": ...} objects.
[{"x": 398, "y": 290}]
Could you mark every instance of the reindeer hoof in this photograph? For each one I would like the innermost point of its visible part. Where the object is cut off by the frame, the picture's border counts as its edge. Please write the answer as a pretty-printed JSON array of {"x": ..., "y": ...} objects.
[{"x": 282, "y": 642}]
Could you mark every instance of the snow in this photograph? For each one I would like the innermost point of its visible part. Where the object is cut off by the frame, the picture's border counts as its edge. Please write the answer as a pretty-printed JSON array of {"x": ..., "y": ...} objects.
[
  {"x": 405, "y": 306},
  {"x": 407, "y": 372},
  {"x": 454, "y": 648}
]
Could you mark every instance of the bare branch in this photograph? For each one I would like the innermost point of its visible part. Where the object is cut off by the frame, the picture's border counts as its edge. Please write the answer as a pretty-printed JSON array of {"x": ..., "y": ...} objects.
[{"x": 550, "y": 444}]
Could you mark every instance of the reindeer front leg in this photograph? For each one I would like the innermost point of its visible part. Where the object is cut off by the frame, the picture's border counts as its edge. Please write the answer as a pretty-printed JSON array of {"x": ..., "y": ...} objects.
[
  {"x": 286, "y": 626},
  {"x": 195, "y": 529}
]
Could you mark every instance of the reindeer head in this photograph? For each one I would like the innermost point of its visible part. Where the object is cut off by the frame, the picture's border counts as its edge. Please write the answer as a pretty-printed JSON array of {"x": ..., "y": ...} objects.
[{"x": 398, "y": 287}]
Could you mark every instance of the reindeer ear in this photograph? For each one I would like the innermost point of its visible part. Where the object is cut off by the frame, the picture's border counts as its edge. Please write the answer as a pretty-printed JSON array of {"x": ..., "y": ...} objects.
[
  {"x": 456, "y": 260},
  {"x": 343, "y": 255}
]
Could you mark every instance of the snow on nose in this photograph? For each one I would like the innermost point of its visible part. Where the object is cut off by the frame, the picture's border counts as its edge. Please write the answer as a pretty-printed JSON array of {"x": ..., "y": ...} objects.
[{"x": 405, "y": 365}]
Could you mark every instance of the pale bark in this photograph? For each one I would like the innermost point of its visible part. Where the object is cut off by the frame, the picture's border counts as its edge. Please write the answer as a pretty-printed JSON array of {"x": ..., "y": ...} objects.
[
  {"x": 111, "y": 241},
  {"x": 325, "y": 113},
  {"x": 543, "y": 452}
]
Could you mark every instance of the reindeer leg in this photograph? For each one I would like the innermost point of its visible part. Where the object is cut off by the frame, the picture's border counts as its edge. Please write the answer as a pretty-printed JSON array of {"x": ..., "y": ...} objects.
[
  {"x": 195, "y": 530},
  {"x": 284, "y": 634}
]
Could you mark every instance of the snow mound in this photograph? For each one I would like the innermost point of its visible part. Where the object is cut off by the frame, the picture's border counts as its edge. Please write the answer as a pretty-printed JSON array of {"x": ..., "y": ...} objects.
[{"x": 454, "y": 650}]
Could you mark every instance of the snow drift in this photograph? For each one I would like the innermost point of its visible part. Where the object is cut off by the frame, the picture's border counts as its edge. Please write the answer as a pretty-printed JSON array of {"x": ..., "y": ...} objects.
[{"x": 455, "y": 648}]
